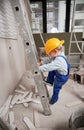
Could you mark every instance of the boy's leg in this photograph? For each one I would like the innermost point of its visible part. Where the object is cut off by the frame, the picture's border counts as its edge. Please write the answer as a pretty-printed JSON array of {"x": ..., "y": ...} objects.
[
  {"x": 50, "y": 78},
  {"x": 58, "y": 83},
  {"x": 55, "y": 96},
  {"x": 56, "y": 90}
]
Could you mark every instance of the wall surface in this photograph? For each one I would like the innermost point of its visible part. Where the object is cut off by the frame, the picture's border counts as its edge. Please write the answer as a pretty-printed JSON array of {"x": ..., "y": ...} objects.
[
  {"x": 12, "y": 54},
  {"x": 12, "y": 66}
]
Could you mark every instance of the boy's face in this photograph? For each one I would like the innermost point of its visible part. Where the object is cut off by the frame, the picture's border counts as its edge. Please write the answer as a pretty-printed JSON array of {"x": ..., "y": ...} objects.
[{"x": 53, "y": 53}]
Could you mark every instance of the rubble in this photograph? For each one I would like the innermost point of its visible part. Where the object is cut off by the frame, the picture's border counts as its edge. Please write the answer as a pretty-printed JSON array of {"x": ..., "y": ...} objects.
[{"x": 20, "y": 96}]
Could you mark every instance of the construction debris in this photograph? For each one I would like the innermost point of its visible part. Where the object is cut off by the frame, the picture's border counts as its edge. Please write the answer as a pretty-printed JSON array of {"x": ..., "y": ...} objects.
[
  {"x": 42, "y": 129},
  {"x": 71, "y": 104},
  {"x": 22, "y": 87},
  {"x": 4, "y": 125},
  {"x": 4, "y": 109},
  {"x": 77, "y": 76},
  {"x": 28, "y": 123},
  {"x": 20, "y": 96},
  {"x": 25, "y": 104},
  {"x": 36, "y": 119},
  {"x": 19, "y": 91},
  {"x": 15, "y": 99},
  {"x": 12, "y": 120}
]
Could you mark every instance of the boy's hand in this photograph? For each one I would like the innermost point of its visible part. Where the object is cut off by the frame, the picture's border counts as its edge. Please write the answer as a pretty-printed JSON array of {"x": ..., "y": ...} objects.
[{"x": 39, "y": 63}]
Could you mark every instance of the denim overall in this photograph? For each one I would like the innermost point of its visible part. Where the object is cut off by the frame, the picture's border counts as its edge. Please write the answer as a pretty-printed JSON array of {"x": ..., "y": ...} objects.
[{"x": 59, "y": 80}]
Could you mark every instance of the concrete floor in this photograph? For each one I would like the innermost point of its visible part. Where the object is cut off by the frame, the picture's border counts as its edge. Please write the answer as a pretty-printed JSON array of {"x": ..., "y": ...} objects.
[{"x": 69, "y": 101}]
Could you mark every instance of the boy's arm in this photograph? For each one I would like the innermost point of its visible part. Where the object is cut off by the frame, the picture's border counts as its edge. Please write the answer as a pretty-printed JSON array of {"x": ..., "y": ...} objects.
[
  {"x": 46, "y": 60},
  {"x": 57, "y": 64},
  {"x": 48, "y": 67}
]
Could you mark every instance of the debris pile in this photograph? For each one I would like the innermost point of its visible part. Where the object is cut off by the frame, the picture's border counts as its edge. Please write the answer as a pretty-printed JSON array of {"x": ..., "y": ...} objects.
[
  {"x": 78, "y": 76},
  {"x": 20, "y": 96}
]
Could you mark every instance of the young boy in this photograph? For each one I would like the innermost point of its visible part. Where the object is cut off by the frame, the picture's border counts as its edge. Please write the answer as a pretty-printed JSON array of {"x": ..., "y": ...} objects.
[{"x": 58, "y": 68}]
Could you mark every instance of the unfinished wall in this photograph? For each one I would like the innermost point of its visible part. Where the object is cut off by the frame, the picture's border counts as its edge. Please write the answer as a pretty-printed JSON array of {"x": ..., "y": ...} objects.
[
  {"x": 12, "y": 66},
  {"x": 12, "y": 56}
]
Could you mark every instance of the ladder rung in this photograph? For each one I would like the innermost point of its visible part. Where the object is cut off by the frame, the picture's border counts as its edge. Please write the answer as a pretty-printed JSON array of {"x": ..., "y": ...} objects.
[
  {"x": 76, "y": 53},
  {"x": 76, "y": 41},
  {"x": 77, "y": 63}
]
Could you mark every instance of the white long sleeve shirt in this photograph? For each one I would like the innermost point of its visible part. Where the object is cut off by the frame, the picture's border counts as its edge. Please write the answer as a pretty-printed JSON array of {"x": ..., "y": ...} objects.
[{"x": 58, "y": 63}]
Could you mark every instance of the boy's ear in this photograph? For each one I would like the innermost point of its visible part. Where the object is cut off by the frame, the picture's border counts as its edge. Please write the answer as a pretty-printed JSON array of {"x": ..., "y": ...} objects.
[{"x": 55, "y": 50}]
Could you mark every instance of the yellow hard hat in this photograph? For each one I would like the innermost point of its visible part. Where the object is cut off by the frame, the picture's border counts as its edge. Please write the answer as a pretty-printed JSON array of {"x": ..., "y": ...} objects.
[{"x": 52, "y": 44}]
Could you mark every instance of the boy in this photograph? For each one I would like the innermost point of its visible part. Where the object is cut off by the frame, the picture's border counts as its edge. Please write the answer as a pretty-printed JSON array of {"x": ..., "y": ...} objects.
[{"x": 58, "y": 68}]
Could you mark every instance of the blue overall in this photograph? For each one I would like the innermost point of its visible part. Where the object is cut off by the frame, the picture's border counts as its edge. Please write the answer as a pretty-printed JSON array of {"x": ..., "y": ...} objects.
[{"x": 59, "y": 80}]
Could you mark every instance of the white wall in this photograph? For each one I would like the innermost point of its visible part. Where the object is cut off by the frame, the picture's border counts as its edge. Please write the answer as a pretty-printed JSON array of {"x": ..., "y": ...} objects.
[
  {"x": 12, "y": 54},
  {"x": 12, "y": 66}
]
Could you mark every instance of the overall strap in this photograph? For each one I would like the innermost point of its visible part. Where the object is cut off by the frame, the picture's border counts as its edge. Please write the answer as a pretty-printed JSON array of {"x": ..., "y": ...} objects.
[
  {"x": 63, "y": 58},
  {"x": 66, "y": 61}
]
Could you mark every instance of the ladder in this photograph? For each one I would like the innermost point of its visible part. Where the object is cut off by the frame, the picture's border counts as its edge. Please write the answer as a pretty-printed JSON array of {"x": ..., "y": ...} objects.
[
  {"x": 73, "y": 39},
  {"x": 22, "y": 21}
]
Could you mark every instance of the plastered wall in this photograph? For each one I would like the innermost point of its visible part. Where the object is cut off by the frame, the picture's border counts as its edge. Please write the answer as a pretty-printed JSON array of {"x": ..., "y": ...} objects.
[
  {"x": 12, "y": 66},
  {"x": 12, "y": 55}
]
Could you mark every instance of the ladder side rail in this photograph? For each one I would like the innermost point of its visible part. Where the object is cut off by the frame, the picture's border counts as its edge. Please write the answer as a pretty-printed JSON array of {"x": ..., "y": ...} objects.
[
  {"x": 77, "y": 44},
  {"x": 26, "y": 20},
  {"x": 72, "y": 26}
]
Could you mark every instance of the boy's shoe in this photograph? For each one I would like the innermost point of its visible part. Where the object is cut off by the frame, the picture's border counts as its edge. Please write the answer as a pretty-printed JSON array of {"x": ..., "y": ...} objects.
[
  {"x": 52, "y": 102},
  {"x": 45, "y": 82}
]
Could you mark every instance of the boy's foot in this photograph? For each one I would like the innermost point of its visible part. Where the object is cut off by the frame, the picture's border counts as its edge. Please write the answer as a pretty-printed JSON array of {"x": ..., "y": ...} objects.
[
  {"x": 52, "y": 102},
  {"x": 45, "y": 82}
]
